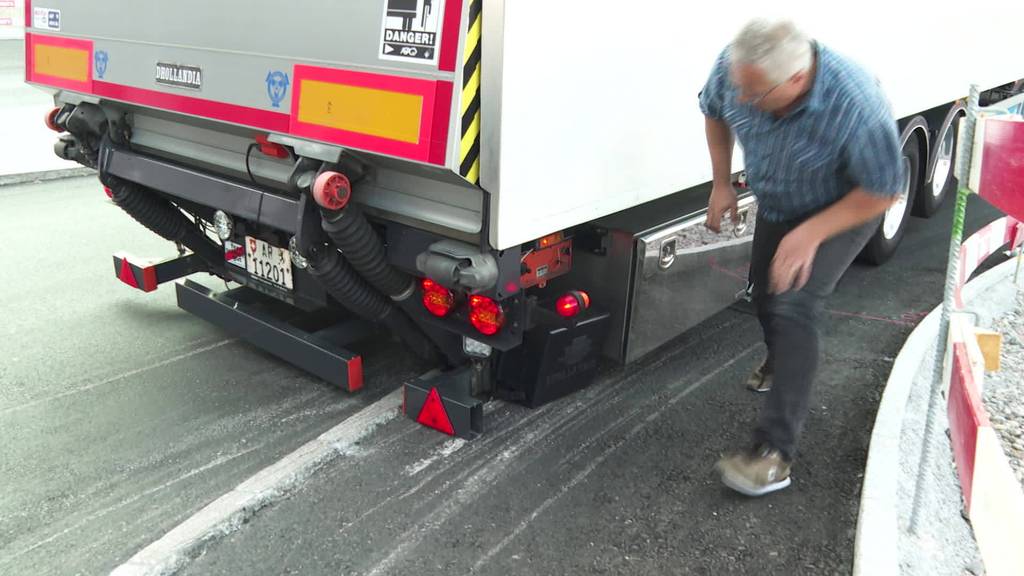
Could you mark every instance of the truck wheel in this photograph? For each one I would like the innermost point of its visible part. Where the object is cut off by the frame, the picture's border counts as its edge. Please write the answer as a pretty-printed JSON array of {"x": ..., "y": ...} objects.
[
  {"x": 943, "y": 180},
  {"x": 894, "y": 223}
]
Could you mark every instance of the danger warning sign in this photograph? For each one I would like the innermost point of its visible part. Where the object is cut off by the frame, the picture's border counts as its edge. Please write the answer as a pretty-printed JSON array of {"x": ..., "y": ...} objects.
[{"x": 410, "y": 30}]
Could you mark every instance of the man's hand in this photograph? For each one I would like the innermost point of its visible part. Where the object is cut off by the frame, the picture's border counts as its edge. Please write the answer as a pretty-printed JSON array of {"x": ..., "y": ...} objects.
[
  {"x": 791, "y": 267},
  {"x": 794, "y": 259},
  {"x": 722, "y": 200}
]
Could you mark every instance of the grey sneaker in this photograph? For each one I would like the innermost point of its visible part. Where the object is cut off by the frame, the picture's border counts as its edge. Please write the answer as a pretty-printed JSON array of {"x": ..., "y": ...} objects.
[
  {"x": 755, "y": 473},
  {"x": 759, "y": 381}
]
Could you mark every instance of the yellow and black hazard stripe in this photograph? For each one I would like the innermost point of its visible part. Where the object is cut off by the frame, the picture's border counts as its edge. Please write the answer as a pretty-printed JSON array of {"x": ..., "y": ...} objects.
[{"x": 469, "y": 151}]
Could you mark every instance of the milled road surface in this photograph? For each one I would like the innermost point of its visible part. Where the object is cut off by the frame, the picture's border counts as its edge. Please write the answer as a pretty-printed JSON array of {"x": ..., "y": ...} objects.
[{"x": 122, "y": 416}]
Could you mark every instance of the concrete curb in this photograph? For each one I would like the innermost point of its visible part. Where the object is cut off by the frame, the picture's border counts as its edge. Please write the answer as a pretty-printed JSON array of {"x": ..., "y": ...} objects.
[
  {"x": 45, "y": 176},
  {"x": 876, "y": 547}
]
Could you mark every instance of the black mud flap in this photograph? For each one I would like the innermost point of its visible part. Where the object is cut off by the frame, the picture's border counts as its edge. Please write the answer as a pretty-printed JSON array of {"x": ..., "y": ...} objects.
[{"x": 558, "y": 357}]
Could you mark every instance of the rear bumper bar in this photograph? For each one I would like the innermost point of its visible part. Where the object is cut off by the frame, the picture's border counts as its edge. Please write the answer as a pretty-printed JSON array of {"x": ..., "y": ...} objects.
[
  {"x": 235, "y": 198},
  {"x": 320, "y": 353}
]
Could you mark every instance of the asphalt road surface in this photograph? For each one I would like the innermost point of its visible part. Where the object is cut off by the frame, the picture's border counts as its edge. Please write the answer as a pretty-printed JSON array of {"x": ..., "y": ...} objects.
[{"x": 122, "y": 416}]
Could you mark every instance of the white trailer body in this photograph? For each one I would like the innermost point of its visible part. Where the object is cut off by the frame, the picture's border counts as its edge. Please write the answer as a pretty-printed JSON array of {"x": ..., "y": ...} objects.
[
  {"x": 585, "y": 110},
  {"x": 591, "y": 108}
]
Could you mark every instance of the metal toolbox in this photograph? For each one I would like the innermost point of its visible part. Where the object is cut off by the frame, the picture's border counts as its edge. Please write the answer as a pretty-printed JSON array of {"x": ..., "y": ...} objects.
[{"x": 661, "y": 271}]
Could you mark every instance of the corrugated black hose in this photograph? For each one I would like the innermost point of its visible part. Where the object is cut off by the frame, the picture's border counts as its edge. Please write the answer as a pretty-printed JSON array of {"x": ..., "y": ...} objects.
[
  {"x": 335, "y": 274},
  {"x": 349, "y": 230},
  {"x": 355, "y": 294},
  {"x": 162, "y": 217}
]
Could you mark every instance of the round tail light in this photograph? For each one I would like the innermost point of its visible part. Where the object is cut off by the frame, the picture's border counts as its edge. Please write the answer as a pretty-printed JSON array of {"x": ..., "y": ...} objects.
[
  {"x": 486, "y": 315},
  {"x": 572, "y": 304},
  {"x": 437, "y": 299}
]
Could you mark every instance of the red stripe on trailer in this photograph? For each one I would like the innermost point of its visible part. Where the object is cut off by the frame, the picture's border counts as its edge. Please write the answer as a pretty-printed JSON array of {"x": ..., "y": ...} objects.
[
  {"x": 431, "y": 145},
  {"x": 966, "y": 415},
  {"x": 28, "y": 19},
  {"x": 439, "y": 136},
  {"x": 450, "y": 35},
  {"x": 246, "y": 116},
  {"x": 355, "y": 374}
]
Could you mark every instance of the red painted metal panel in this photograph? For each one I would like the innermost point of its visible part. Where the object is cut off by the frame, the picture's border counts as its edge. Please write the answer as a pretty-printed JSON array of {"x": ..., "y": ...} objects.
[
  {"x": 966, "y": 415},
  {"x": 1002, "y": 166}
]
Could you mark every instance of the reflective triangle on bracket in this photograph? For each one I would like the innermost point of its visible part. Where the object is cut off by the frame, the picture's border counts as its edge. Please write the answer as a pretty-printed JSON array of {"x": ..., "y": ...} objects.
[
  {"x": 126, "y": 274},
  {"x": 433, "y": 415}
]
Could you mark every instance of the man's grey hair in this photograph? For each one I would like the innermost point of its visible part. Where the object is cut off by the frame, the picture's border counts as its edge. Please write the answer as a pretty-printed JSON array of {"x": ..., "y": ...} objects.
[{"x": 777, "y": 47}]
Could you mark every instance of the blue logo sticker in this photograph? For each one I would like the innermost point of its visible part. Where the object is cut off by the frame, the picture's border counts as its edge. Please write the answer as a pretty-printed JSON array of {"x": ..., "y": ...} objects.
[
  {"x": 101, "y": 58},
  {"x": 277, "y": 87}
]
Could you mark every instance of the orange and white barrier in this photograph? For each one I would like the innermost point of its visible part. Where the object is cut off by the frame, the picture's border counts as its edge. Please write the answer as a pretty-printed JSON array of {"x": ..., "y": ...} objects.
[
  {"x": 993, "y": 499},
  {"x": 1006, "y": 231}
]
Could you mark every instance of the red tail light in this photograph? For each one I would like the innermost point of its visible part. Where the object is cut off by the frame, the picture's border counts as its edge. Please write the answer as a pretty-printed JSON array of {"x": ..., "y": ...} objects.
[
  {"x": 572, "y": 303},
  {"x": 567, "y": 306},
  {"x": 486, "y": 315},
  {"x": 437, "y": 299},
  {"x": 271, "y": 149}
]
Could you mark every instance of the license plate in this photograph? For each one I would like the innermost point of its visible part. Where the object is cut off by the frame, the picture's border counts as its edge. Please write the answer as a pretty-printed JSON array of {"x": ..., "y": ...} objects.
[{"x": 268, "y": 262}]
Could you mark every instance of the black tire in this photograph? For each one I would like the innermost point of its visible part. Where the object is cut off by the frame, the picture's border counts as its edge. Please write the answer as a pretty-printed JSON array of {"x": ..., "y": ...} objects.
[
  {"x": 880, "y": 248},
  {"x": 928, "y": 202}
]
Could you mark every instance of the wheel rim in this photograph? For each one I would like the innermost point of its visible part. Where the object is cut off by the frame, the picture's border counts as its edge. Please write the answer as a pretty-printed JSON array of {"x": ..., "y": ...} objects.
[
  {"x": 894, "y": 215},
  {"x": 943, "y": 164}
]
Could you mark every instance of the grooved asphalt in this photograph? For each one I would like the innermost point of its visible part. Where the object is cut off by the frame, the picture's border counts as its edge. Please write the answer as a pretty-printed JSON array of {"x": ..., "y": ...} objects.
[{"x": 122, "y": 416}]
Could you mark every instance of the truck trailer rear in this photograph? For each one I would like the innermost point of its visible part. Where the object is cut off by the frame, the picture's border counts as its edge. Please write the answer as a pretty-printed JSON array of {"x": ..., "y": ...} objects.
[{"x": 514, "y": 189}]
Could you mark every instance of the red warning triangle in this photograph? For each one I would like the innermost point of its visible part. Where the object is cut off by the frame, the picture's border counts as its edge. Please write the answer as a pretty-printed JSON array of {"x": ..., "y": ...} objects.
[
  {"x": 433, "y": 414},
  {"x": 126, "y": 275}
]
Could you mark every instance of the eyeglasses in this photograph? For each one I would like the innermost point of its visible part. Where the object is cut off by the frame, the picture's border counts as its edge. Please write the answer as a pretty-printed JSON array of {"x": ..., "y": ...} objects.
[{"x": 757, "y": 99}]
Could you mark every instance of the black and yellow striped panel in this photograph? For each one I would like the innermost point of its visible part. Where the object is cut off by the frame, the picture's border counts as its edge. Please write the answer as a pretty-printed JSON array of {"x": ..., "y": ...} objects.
[{"x": 469, "y": 151}]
